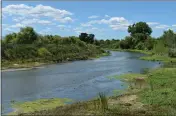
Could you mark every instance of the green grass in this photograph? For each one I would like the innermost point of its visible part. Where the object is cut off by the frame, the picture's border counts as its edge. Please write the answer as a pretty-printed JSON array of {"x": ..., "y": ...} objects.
[
  {"x": 103, "y": 101},
  {"x": 38, "y": 105},
  {"x": 128, "y": 76},
  {"x": 163, "y": 94},
  {"x": 158, "y": 58}
]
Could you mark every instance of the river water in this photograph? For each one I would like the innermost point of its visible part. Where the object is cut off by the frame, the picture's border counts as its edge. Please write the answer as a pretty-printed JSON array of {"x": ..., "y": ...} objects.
[{"x": 78, "y": 80}]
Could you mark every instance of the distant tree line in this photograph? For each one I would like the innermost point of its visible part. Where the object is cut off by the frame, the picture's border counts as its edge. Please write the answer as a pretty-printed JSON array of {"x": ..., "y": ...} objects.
[
  {"x": 140, "y": 38},
  {"x": 27, "y": 45}
]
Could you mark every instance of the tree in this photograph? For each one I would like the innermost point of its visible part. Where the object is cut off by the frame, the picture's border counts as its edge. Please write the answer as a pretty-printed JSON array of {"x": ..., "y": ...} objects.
[
  {"x": 43, "y": 52},
  {"x": 26, "y": 35},
  {"x": 140, "y": 27},
  {"x": 88, "y": 38},
  {"x": 91, "y": 38},
  {"x": 169, "y": 38},
  {"x": 83, "y": 37},
  {"x": 10, "y": 38}
]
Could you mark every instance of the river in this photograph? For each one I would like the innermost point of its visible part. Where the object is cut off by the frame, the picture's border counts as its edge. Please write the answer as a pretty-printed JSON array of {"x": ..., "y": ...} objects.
[{"x": 78, "y": 80}]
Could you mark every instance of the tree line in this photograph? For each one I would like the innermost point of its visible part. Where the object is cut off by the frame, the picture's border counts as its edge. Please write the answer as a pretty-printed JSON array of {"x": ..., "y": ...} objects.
[
  {"x": 28, "y": 45},
  {"x": 140, "y": 38}
]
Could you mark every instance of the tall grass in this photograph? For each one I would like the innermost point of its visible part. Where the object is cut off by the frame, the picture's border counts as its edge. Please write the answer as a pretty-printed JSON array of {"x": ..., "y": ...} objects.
[{"x": 103, "y": 101}]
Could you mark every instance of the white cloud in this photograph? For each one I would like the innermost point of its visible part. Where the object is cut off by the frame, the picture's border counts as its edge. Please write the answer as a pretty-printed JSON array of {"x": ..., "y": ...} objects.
[
  {"x": 18, "y": 25},
  {"x": 8, "y": 30},
  {"x": 174, "y": 25},
  {"x": 18, "y": 19},
  {"x": 93, "y": 30},
  {"x": 93, "y": 17},
  {"x": 116, "y": 23},
  {"x": 45, "y": 31},
  {"x": 64, "y": 20},
  {"x": 86, "y": 25},
  {"x": 37, "y": 11},
  {"x": 64, "y": 27},
  {"x": 107, "y": 16},
  {"x": 162, "y": 26},
  {"x": 4, "y": 25},
  {"x": 28, "y": 22},
  {"x": 152, "y": 23}
]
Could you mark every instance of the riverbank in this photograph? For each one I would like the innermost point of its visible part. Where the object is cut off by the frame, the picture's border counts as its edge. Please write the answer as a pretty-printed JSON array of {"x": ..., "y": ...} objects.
[
  {"x": 152, "y": 93},
  {"x": 26, "y": 65},
  {"x": 155, "y": 95},
  {"x": 132, "y": 50},
  {"x": 150, "y": 56}
]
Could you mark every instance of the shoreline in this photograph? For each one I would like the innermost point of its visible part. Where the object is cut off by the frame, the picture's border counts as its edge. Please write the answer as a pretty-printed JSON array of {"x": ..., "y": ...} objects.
[
  {"x": 128, "y": 99},
  {"x": 36, "y": 65}
]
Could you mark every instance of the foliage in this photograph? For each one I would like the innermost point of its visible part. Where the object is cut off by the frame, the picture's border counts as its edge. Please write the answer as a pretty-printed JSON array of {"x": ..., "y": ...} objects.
[
  {"x": 103, "y": 101},
  {"x": 172, "y": 52},
  {"x": 43, "y": 52},
  {"x": 26, "y": 35},
  {"x": 163, "y": 94},
  {"x": 88, "y": 38},
  {"x": 28, "y": 45},
  {"x": 41, "y": 104},
  {"x": 140, "y": 27}
]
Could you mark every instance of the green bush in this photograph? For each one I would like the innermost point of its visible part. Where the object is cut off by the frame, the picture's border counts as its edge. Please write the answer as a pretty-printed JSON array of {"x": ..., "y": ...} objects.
[{"x": 172, "y": 52}]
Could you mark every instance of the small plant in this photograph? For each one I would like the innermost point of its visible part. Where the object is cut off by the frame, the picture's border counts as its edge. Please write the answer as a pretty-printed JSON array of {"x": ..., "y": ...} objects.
[{"x": 103, "y": 101}]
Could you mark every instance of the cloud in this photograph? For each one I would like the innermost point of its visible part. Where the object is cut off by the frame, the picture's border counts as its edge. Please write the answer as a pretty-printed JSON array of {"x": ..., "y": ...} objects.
[
  {"x": 86, "y": 25},
  {"x": 18, "y": 25},
  {"x": 93, "y": 17},
  {"x": 162, "y": 26},
  {"x": 64, "y": 20},
  {"x": 8, "y": 30},
  {"x": 93, "y": 30},
  {"x": 152, "y": 23},
  {"x": 37, "y": 11},
  {"x": 174, "y": 25},
  {"x": 116, "y": 23},
  {"x": 28, "y": 22},
  {"x": 64, "y": 27},
  {"x": 35, "y": 21},
  {"x": 107, "y": 16},
  {"x": 18, "y": 19},
  {"x": 45, "y": 31}
]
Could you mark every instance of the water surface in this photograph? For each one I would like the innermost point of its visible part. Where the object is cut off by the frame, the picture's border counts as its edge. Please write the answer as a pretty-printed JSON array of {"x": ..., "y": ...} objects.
[{"x": 78, "y": 80}]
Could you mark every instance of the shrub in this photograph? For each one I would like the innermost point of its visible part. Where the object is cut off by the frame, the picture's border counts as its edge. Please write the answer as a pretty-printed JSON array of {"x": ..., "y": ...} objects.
[
  {"x": 172, "y": 52},
  {"x": 43, "y": 52}
]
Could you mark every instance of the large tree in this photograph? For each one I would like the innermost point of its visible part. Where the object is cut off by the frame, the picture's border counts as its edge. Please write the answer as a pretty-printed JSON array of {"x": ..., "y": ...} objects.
[
  {"x": 140, "y": 27},
  {"x": 27, "y": 35},
  {"x": 88, "y": 38}
]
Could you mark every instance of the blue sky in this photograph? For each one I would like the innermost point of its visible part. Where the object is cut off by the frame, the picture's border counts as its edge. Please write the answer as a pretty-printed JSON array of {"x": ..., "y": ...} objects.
[{"x": 105, "y": 19}]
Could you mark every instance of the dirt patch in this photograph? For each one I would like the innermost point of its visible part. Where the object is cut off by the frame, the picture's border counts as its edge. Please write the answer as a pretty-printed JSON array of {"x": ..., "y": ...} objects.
[
  {"x": 128, "y": 101},
  {"x": 123, "y": 100}
]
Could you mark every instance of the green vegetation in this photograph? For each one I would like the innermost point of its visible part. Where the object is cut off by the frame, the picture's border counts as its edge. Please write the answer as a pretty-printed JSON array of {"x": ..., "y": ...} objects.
[
  {"x": 41, "y": 104},
  {"x": 157, "y": 97},
  {"x": 158, "y": 58},
  {"x": 151, "y": 93},
  {"x": 128, "y": 76},
  {"x": 141, "y": 41},
  {"x": 27, "y": 47}
]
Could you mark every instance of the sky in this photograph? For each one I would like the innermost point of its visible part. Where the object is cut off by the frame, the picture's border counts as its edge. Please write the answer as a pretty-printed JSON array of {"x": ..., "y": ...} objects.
[{"x": 105, "y": 19}]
